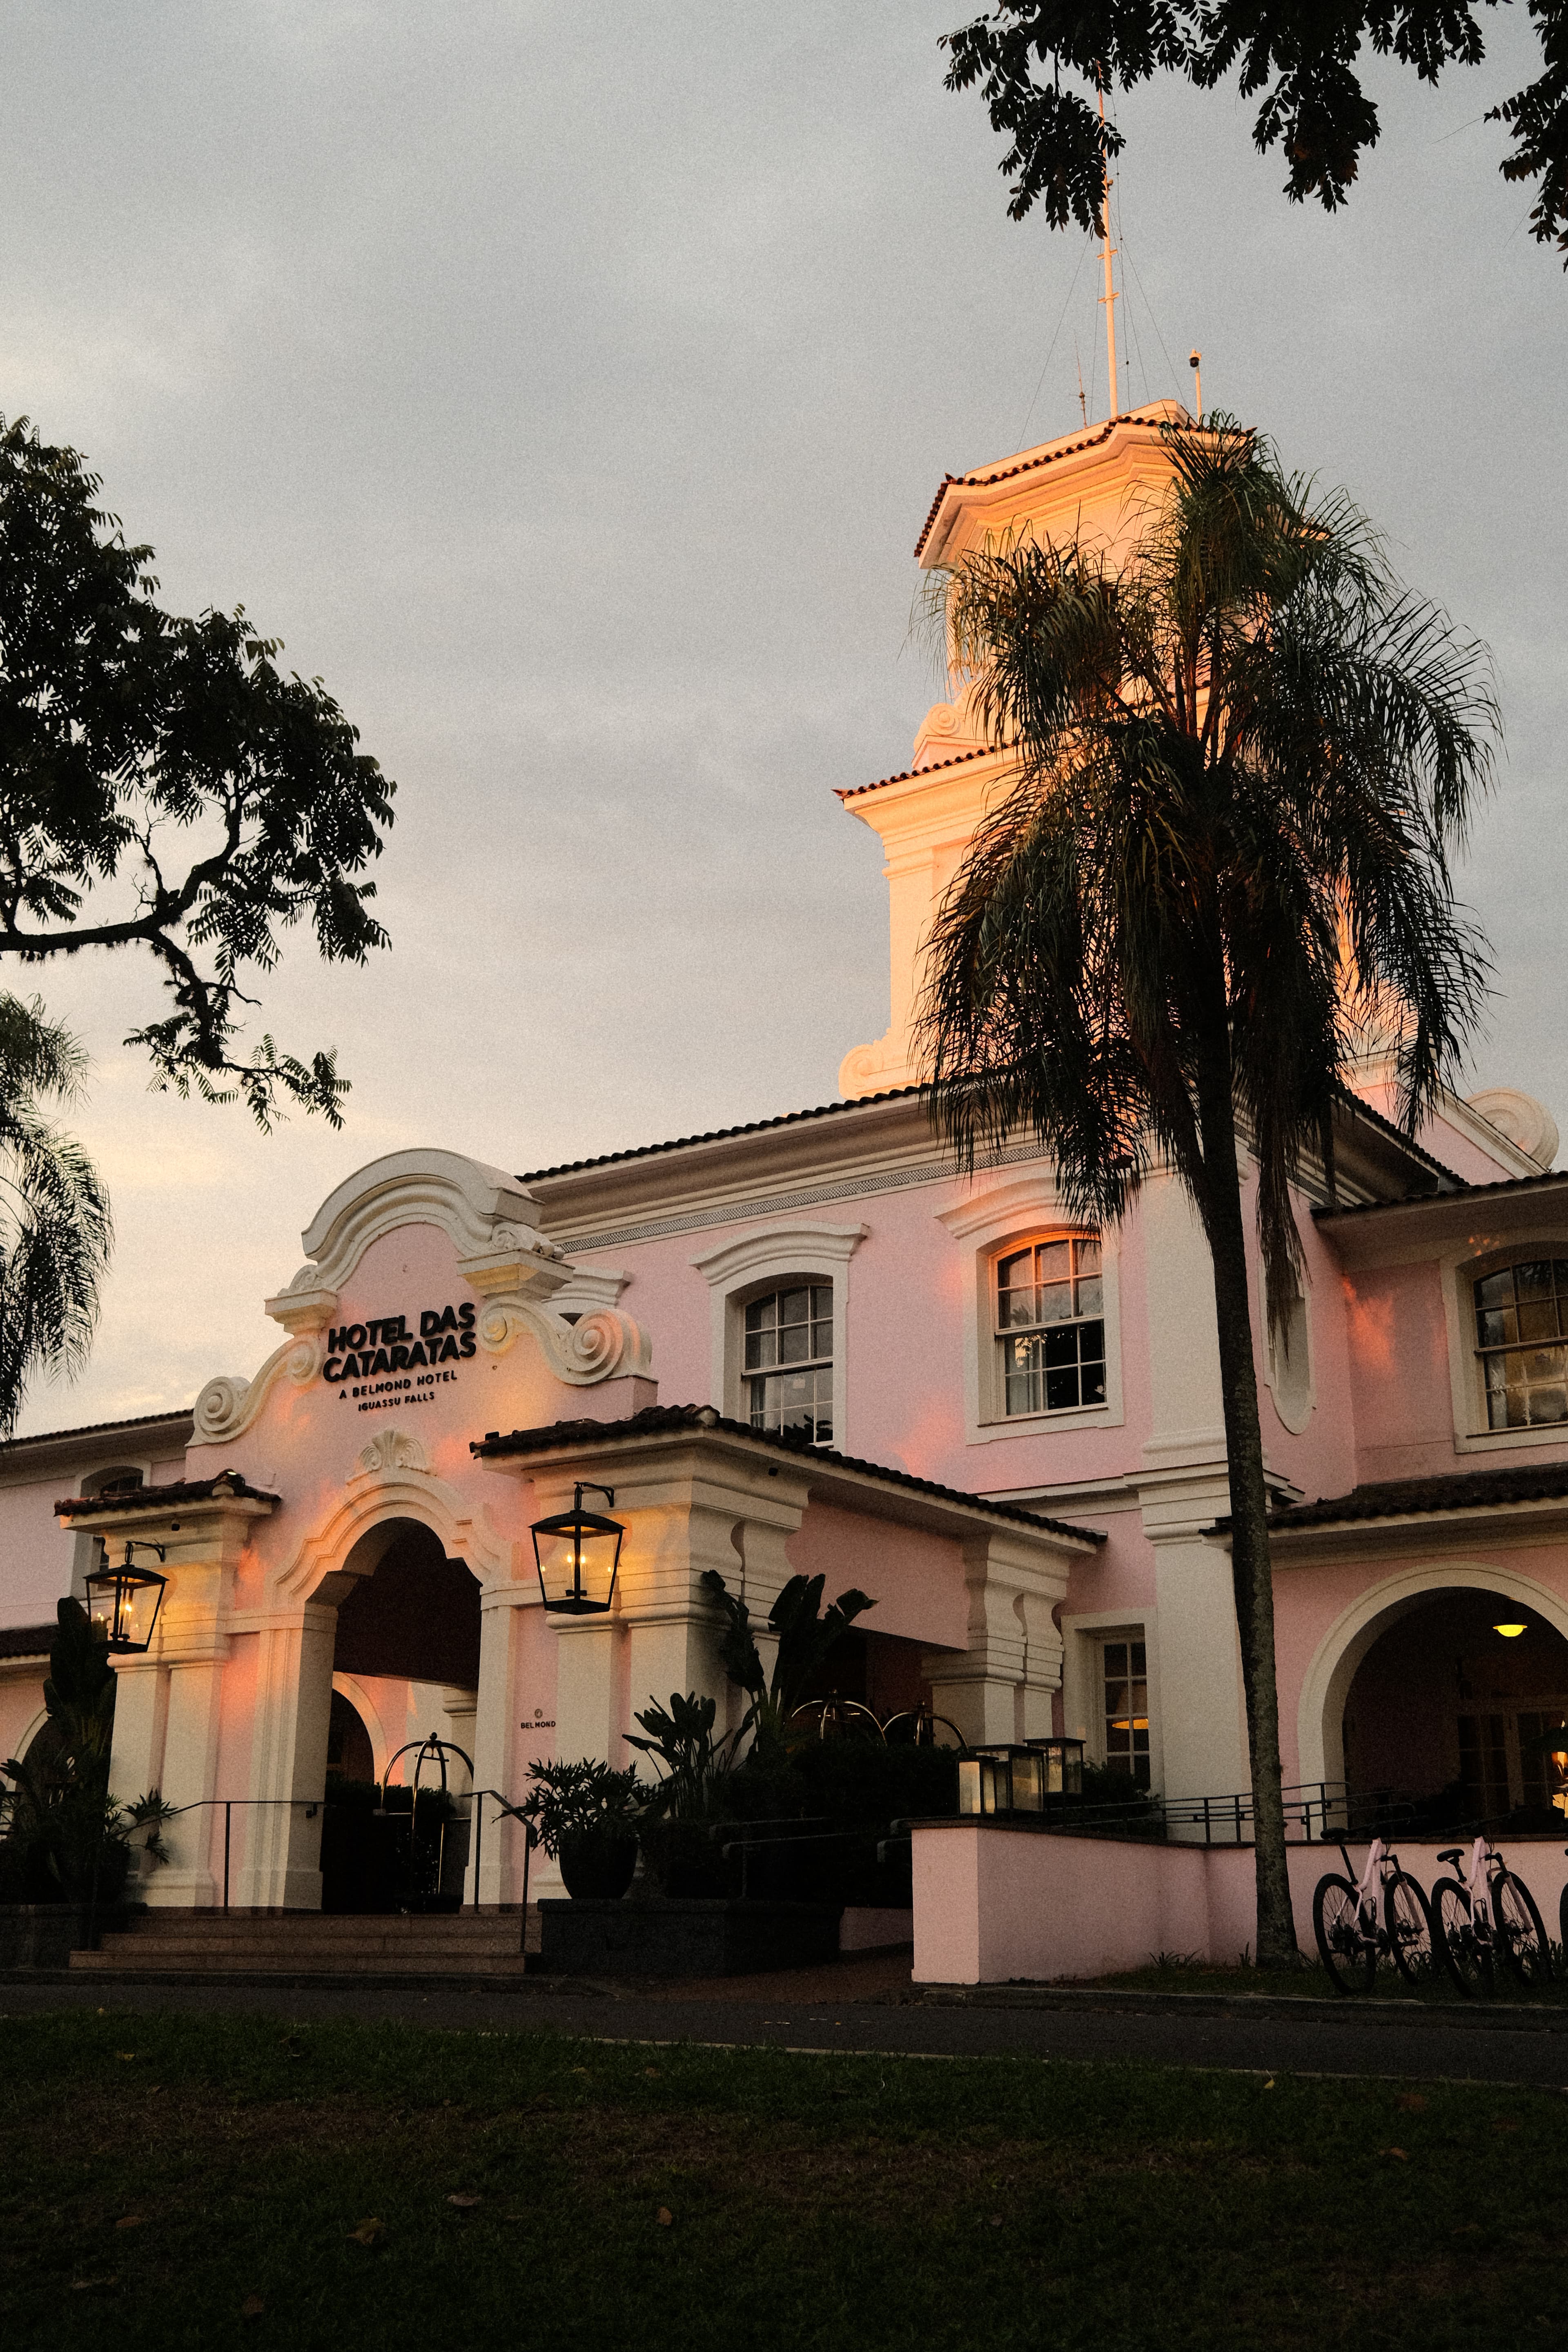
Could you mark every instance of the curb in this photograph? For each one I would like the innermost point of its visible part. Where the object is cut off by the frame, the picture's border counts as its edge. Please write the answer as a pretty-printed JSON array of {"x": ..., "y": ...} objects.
[{"x": 1493, "y": 2017}]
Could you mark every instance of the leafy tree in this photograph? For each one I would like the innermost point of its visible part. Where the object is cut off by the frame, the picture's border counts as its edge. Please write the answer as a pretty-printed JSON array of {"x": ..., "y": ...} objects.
[
  {"x": 164, "y": 786},
  {"x": 1301, "y": 59},
  {"x": 55, "y": 1226},
  {"x": 1241, "y": 763}
]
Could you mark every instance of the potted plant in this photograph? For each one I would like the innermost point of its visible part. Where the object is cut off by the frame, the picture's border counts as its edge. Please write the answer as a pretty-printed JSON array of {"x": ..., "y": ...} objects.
[
  {"x": 695, "y": 1770},
  {"x": 585, "y": 1815}
]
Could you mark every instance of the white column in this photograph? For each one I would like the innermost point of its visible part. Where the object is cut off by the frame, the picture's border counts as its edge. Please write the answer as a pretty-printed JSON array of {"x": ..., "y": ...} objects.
[
  {"x": 288, "y": 1760},
  {"x": 136, "y": 1756},
  {"x": 999, "y": 1689},
  {"x": 499, "y": 1855},
  {"x": 190, "y": 1779},
  {"x": 1203, "y": 1711}
]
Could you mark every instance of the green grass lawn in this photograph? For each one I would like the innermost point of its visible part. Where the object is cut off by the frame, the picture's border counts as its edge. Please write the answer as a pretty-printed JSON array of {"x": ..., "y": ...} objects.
[{"x": 172, "y": 2181}]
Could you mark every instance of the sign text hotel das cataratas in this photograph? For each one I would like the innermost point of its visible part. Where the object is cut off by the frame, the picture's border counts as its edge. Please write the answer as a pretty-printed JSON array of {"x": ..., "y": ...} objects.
[{"x": 416, "y": 1367}]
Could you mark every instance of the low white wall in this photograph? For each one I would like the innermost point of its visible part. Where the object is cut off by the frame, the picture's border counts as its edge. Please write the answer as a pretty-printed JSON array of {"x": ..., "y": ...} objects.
[{"x": 993, "y": 1902}]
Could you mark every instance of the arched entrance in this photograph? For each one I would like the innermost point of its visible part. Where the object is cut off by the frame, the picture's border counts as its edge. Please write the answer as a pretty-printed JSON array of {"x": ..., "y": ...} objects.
[
  {"x": 1449, "y": 1690},
  {"x": 1449, "y": 1710},
  {"x": 406, "y": 1646}
]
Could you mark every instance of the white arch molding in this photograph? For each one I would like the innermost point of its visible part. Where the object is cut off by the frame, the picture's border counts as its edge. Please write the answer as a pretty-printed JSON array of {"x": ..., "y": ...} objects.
[
  {"x": 351, "y": 1687},
  {"x": 1326, "y": 1686},
  {"x": 294, "y": 1674},
  {"x": 321, "y": 1568}
]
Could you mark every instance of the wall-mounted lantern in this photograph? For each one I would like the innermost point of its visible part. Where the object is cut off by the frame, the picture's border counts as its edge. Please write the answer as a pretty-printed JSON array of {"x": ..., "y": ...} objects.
[
  {"x": 122, "y": 1604},
  {"x": 577, "y": 1553}
]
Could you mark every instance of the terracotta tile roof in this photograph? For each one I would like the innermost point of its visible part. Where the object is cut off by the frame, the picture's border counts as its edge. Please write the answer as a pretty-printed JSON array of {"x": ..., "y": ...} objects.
[
  {"x": 1051, "y": 455},
  {"x": 904, "y": 1093},
  {"x": 94, "y": 1429},
  {"x": 1470, "y": 1191},
  {"x": 666, "y": 1420},
  {"x": 228, "y": 1483},
  {"x": 1363, "y": 1110},
  {"x": 1400, "y": 1498},
  {"x": 719, "y": 1135},
  {"x": 27, "y": 1641},
  {"x": 906, "y": 775}
]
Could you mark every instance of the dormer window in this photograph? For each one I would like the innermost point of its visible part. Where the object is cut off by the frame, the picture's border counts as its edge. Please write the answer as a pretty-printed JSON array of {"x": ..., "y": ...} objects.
[
  {"x": 789, "y": 1360},
  {"x": 1050, "y": 1326},
  {"x": 1521, "y": 1335}
]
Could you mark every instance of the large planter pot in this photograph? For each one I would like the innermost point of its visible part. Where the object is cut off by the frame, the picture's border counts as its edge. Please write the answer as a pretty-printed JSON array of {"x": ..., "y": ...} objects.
[
  {"x": 596, "y": 1866},
  {"x": 686, "y": 1861}
]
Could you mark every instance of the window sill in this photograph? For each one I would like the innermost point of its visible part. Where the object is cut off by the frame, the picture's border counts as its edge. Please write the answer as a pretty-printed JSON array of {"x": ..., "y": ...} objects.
[
  {"x": 1037, "y": 1424},
  {"x": 1504, "y": 1440}
]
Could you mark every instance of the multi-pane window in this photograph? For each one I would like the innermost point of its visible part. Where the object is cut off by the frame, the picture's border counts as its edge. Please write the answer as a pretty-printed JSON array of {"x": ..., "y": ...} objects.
[
  {"x": 1126, "y": 1672},
  {"x": 1050, "y": 1326},
  {"x": 1521, "y": 1332},
  {"x": 789, "y": 1361},
  {"x": 1483, "y": 1766}
]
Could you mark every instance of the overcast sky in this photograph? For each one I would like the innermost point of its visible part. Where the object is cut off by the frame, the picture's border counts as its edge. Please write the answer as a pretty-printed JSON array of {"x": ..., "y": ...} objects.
[{"x": 567, "y": 387}]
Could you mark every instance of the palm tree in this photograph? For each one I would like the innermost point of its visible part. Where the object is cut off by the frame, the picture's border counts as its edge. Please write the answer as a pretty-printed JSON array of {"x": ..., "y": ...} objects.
[
  {"x": 1243, "y": 758},
  {"x": 54, "y": 1225}
]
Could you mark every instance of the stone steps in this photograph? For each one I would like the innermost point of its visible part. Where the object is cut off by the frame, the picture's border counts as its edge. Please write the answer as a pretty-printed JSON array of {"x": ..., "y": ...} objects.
[{"x": 304, "y": 1944}]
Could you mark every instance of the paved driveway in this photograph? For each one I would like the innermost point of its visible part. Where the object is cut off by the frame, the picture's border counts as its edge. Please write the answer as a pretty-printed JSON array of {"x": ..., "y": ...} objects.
[{"x": 868, "y": 2006}]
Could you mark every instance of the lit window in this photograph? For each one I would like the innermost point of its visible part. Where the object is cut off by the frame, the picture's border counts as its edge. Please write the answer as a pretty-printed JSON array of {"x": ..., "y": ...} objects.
[
  {"x": 1127, "y": 1709},
  {"x": 789, "y": 1361},
  {"x": 1050, "y": 1326},
  {"x": 1522, "y": 1331}
]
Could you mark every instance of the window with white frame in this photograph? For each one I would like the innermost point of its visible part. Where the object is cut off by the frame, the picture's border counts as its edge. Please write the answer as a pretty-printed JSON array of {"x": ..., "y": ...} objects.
[
  {"x": 1125, "y": 1692},
  {"x": 1050, "y": 1328},
  {"x": 1521, "y": 1343},
  {"x": 788, "y": 1367}
]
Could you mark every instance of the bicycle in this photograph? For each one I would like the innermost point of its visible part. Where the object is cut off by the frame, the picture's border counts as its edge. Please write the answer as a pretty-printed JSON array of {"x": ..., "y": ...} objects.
[
  {"x": 1350, "y": 1937},
  {"x": 1487, "y": 1915}
]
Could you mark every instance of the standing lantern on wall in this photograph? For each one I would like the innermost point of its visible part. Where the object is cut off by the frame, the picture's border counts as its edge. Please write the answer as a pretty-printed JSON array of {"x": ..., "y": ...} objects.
[
  {"x": 122, "y": 1602},
  {"x": 577, "y": 1553},
  {"x": 1033, "y": 1776}
]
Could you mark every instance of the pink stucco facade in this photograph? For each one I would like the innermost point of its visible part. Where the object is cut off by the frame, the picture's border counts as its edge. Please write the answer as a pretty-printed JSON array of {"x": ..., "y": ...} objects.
[{"x": 1022, "y": 1548}]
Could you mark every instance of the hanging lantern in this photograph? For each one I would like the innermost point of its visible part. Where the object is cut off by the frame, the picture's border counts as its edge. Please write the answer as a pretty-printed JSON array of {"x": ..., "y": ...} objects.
[
  {"x": 577, "y": 1553},
  {"x": 122, "y": 1604}
]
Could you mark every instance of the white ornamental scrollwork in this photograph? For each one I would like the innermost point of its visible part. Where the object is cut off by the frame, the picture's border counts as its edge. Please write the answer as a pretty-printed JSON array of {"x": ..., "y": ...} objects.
[
  {"x": 220, "y": 1408},
  {"x": 303, "y": 1361},
  {"x": 499, "y": 1322},
  {"x": 391, "y": 1449},
  {"x": 596, "y": 1347}
]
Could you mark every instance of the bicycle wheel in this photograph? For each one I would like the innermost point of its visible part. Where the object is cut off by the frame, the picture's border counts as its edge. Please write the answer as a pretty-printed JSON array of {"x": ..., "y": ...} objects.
[
  {"x": 1349, "y": 1957},
  {"x": 1409, "y": 1925},
  {"x": 1520, "y": 1935},
  {"x": 1467, "y": 1959}
]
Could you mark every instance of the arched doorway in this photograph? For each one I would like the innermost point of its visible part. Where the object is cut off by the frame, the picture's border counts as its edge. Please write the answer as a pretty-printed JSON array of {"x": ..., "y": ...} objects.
[
  {"x": 1460, "y": 1703},
  {"x": 407, "y": 1638}
]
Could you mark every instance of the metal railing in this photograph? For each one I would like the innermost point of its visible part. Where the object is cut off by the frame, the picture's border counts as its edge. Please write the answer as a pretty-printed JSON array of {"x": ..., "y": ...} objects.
[
  {"x": 311, "y": 1806},
  {"x": 1316, "y": 1813}
]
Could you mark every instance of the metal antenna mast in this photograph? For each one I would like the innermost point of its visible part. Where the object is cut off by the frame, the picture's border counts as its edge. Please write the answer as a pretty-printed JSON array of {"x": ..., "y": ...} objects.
[{"x": 1105, "y": 252}]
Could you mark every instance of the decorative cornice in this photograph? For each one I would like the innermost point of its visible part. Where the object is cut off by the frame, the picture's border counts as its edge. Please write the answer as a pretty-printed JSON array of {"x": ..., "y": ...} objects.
[
  {"x": 390, "y": 1449},
  {"x": 491, "y": 1220}
]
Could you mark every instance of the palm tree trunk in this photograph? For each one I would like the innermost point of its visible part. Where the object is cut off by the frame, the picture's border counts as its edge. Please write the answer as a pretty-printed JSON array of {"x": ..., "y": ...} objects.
[{"x": 1251, "y": 1569}]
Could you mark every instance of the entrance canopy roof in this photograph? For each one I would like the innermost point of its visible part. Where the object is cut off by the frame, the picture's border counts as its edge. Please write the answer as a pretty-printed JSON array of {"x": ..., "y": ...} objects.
[{"x": 836, "y": 1477}]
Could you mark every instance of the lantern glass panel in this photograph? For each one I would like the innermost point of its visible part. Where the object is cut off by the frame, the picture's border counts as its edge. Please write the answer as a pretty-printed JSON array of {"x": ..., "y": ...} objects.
[
  {"x": 577, "y": 1553},
  {"x": 1028, "y": 1782},
  {"x": 123, "y": 1604}
]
